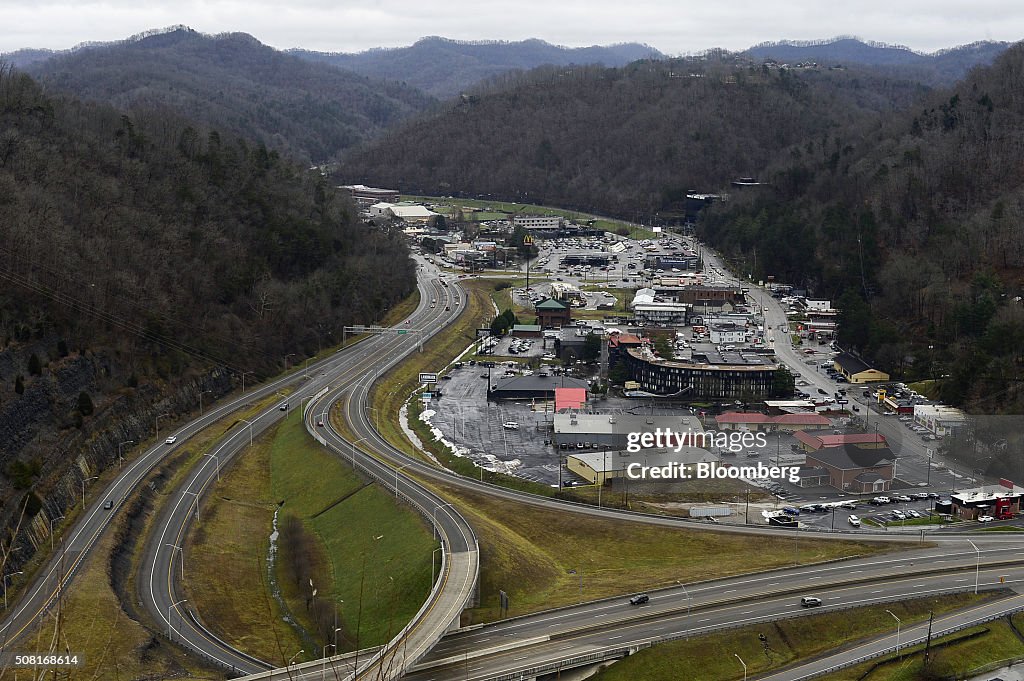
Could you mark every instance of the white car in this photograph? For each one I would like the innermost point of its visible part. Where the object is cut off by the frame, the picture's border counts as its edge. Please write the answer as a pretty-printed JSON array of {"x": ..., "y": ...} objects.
[
  {"x": 171, "y": 440},
  {"x": 985, "y": 518},
  {"x": 510, "y": 425},
  {"x": 854, "y": 520}
]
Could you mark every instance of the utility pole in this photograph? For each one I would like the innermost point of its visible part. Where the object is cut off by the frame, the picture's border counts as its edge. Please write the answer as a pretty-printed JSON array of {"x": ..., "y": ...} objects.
[{"x": 928, "y": 640}]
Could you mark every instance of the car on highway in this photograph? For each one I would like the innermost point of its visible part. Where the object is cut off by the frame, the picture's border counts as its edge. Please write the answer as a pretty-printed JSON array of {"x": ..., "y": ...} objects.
[
  {"x": 985, "y": 518},
  {"x": 510, "y": 425},
  {"x": 108, "y": 505},
  {"x": 171, "y": 440},
  {"x": 639, "y": 599},
  {"x": 319, "y": 424},
  {"x": 854, "y": 520},
  {"x": 810, "y": 601},
  {"x": 283, "y": 407}
]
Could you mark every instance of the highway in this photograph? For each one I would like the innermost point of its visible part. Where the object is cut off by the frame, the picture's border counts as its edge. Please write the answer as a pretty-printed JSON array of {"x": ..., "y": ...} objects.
[
  {"x": 346, "y": 374},
  {"x": 78, "y": 539},
  {"x": 357, "y": 366}
]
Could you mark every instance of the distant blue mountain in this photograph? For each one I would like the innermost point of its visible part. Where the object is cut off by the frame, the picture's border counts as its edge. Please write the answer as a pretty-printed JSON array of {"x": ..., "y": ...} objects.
[{"x": 443, "y": 67}]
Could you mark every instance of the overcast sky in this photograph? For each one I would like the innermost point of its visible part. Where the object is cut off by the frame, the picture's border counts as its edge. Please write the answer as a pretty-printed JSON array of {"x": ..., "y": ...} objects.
[{"x": 674, "y": 27}]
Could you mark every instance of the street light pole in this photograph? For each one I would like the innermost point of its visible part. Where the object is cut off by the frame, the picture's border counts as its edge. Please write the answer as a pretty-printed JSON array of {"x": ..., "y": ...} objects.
[
  {"x": 243, "y": 379},
  {"x": 19, "y": 572},
  {"x": 977, "y": 565},
  {"x": 432, "y": 559},
  {"x": 352, "y": 446},
  {"x": 396, "y": 477},
  {"x": 899, "y": 622},
  {"x": 289, "y": 663},
  {"x": 201, "y": 393},
  {"x": 217, "y": 460},
  {"x": 85, "y": 480},
  {"x": 52, "y": 521},
  {"x": 744, "y": 666},
  {"x": 158, "y": 417},
  {"x": 687, "y": 592},
  {"x": 250, "y": 429},
  {"x": 120, "y": 459},
  {"x": 182, "y": 551},
  {"x": 169, "y": 608}
]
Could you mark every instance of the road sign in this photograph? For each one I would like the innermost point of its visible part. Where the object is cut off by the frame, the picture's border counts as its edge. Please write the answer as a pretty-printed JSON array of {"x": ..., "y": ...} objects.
[
  {"x": 426, "y": 397},
  {"x": 842, "y": 401},
  {"x": 428, "y": 378},
  {"x": 403, "y": 331},
  {"x": 358, "y": 328}
]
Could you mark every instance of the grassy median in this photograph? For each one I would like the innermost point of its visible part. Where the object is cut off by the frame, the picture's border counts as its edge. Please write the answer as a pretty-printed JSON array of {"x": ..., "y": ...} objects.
[
  {"x": 368, "y": 557},
  {"x": 712, "y": 657}
]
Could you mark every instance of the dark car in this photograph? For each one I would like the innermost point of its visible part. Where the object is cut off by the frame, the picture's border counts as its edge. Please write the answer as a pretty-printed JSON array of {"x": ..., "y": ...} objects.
[
  {"x": 639, "y": 599},
  {"x": 109, "y": 505},
  {"x": 789, "y": 510}
]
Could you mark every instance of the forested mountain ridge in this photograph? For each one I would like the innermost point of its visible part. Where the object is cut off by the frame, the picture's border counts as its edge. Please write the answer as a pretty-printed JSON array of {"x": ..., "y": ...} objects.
[
  {"x": 916, "y": 227},
  {"x": 629, "y": 141},
  {"x": 307, "y": 110},
  {"x": 144, "y": 262},
  {"x": 444, "y": 68},
  {"x": 943, "y": 67}
]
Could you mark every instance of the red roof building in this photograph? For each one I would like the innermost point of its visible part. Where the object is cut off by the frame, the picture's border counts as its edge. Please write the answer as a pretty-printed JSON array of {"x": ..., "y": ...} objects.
[
  {"x": 812, "y": 442},
  {"x": 735, "y": 420},
  {"x": 570, "y": 398}
]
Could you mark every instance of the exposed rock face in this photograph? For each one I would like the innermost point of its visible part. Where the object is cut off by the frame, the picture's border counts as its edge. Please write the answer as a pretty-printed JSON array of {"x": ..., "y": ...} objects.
[{"x": 47, "y": 446}]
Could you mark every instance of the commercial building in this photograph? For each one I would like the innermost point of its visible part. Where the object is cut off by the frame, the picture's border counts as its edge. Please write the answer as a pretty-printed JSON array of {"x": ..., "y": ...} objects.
[
  {"x": 853, "y": 469},
  {"x": 651, "y": 310},
  {"x": 699, "y": 295},
  {"x": 553, "y": 314},
  {"x": 596, "y": 258},
  {"x": 754, "y": 421},
  {"x": 526, "y": 330},
  {"x": 534, "y": 387},
  {"x": 539, "y": 225},
  {"x": 709, "y": 375},
  {"x": 727, "y": 333},
  {"x": 367, "y": 196},
  {"x": 856, "y": 370},
  {"x": 612, "y": 430},
  {"x": 812, "y": 442},
  {"x": 939, "y": 418},
  {"x": 599, "y": 466},
  {"x": 402, "y": 212},
  {"x": 668, "y": 261},
  {"x": 998, "y": 503}
]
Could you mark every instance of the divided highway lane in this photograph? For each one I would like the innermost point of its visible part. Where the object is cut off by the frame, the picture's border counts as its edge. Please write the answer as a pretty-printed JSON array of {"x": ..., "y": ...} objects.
[
  {"x": 159, "y": 579},
  {"x": 78, "y": 540},
  {"x": 617, "y": 626},
  {"x": 795, "y": 582}
]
